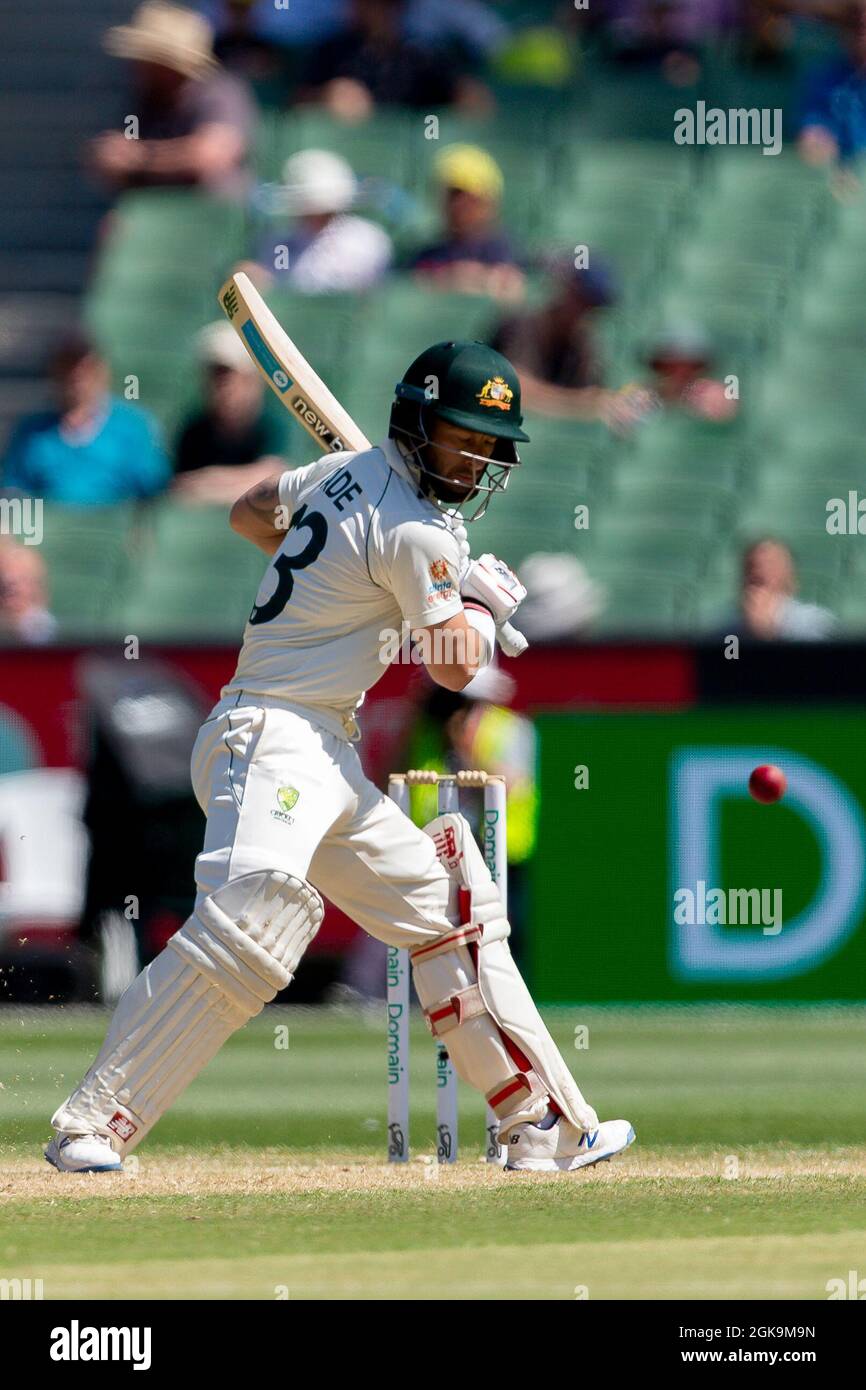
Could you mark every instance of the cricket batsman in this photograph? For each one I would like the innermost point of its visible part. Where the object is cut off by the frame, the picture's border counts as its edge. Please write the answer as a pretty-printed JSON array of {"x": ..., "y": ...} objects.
[{"x": 360, "y": 543}]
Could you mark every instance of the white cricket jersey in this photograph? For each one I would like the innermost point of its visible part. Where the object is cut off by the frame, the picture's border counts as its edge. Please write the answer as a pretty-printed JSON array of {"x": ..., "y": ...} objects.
[{"x": 364, "y": 552}]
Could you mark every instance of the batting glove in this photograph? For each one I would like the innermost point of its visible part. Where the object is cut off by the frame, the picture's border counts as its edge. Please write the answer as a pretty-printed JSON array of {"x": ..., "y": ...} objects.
[{"x": 490, "y": 583}]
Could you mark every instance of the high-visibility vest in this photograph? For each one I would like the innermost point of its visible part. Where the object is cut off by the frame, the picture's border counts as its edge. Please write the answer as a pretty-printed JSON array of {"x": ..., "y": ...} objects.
[{"x": 503, "y": 742}]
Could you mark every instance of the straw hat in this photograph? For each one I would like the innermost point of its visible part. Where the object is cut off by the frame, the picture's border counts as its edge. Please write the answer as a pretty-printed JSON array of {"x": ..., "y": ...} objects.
[{"x": 167, "y": 34}]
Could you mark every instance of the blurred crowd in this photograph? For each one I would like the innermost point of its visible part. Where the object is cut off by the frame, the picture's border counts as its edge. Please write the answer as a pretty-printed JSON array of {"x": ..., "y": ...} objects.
[{"x": 200, "y": 75}]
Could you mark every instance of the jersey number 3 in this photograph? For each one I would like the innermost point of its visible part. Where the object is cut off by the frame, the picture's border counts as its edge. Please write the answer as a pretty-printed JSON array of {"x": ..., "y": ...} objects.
[{"x": 285, "y": 565}]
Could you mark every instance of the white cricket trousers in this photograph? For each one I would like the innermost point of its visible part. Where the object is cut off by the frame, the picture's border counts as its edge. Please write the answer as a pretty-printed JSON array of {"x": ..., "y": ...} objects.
[{"x": 281, "y": 791}]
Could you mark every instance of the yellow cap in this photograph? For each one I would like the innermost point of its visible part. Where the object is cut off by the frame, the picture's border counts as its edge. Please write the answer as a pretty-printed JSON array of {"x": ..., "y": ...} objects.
[{"x": 471, "y": 169}]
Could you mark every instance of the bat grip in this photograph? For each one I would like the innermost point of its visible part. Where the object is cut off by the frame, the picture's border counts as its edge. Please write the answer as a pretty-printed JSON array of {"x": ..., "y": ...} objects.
[{"x": 511, "y": 642}]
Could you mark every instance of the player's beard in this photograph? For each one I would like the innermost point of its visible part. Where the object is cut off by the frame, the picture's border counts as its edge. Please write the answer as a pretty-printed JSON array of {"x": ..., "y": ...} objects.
[{"x": 450, "y": 490}]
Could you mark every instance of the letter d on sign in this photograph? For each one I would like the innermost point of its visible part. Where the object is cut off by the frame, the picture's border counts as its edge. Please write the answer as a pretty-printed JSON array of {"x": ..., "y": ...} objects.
[{"x": 700, "y": 780}]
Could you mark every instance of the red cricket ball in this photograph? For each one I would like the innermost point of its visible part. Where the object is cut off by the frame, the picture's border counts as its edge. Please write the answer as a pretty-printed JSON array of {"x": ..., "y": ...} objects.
[{"x": 767, "y": 783}]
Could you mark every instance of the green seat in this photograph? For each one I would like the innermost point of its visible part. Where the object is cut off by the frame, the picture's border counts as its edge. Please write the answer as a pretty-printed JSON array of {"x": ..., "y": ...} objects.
[
  {"x": 841, "y": 277},
  {"x": 155, "y": 286},
  {"x": 412, "y": 312},
  {"x": 715, "y": 605},
  {"x": 850, "y": 608},
  {"x": 171, "y": 604},
  {"x": 513, "y": 534},
  {"x": 139, "y": 304},
  {"x": 167, "y": 384},
  {"x": 567, "y": 456},
  {"x": 838, "y": 370},
  {"x": 736, "y": 282},
  {"x": 683, "y": 443},
  {"x": 195, "y": 575},
  {"x": 755, "y": 177},
  {"x": 704, "y": 502},
  {"x": 791, "y": 470},
  {"x": 626, "y": 163},
  {"x": 634, "y": 543},
  {"x": 825, "y": 409},
  {"x": 325, "y": 326},
  {"x": 721, "y": 312},
  {"x": 171, "y": 231},
  {"x": 758, "y": 250},
  {"x": 88, "y": 556},
  {"x": 643, "y": 603},
  {"x": 382, "y": 147},
  {"x": 796, "y": 499},
  {"x": 724, "y": 468}
]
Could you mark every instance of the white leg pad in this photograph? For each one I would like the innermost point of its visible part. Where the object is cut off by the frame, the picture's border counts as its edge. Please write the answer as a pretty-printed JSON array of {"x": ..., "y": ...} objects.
[
  {"x": 480, "y": 956},
  {"x": 446, "y": 985},
  {"x": 509, "y": 1001},
  {"x": 234, "y": 953}
]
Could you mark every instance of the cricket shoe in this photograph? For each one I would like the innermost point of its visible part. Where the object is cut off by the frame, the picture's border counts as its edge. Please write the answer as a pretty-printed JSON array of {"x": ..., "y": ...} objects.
[
  {"x": 563, "y": 1147},
  {"x": 83, "y": 1153}
]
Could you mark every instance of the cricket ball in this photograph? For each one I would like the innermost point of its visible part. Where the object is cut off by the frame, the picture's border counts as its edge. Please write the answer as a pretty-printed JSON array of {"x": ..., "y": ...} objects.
[{"x": 767, "y": 783}]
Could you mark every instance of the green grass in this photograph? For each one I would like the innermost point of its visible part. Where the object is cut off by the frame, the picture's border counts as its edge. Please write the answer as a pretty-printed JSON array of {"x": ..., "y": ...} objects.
[
  {"x": 692, "y": 1076},
  {"x": 748, "y": 1179}
]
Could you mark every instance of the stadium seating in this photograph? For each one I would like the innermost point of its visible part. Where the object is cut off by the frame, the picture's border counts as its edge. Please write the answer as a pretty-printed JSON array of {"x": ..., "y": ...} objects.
[
  {"x": 89, "y": 553},
  {"x": 754, "y": 250},
  {"x": 194, "y": 578}
]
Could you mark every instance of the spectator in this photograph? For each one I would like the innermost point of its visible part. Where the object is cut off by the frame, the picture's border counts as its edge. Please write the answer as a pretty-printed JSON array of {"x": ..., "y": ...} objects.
[
  {"x": 195, "y": 120},
  {"x": 833, "y": 126},
  {"x": 473, "y": 255},
  {"x": 372, "y": 63},
  {"x": 23, "y": 602},
  {"x": 232, "y": 443},
  {"x": 329, "y": 249},
  {"x": 680, "y": 360},
  {"x": 768, "y": 609},
  {"x": 243, "y": 45},
  {"x": 93, "y": 449},
  {"x": 475, "y": 26},
  {"x": 298, "y": 24},
  {"x": 668, "y": 31},
  {"x": 555, "y": 351}
]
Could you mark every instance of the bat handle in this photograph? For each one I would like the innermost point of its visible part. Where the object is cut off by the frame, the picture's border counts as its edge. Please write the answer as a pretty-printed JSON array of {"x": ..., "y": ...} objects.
[{"x": 511, "y": 642}]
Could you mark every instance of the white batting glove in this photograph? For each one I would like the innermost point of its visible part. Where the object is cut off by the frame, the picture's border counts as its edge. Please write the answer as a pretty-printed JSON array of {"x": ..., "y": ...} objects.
[{"x": 491, "y": 583}]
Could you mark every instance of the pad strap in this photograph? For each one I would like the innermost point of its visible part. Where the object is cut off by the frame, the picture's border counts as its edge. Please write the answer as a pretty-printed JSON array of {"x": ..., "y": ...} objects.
[
  {"x": 454, "y": 1012},
  {"x": 517, "y": 1094},
  {"x": 466, "y": 935}
]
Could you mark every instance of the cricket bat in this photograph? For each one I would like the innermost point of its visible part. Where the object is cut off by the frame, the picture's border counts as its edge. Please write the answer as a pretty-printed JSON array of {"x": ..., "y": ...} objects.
[{"x": 302, "y": 392}]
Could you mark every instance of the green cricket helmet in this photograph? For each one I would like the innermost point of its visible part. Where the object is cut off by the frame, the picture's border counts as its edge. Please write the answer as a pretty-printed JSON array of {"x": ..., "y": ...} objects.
[{"x": 470, "y": 385}]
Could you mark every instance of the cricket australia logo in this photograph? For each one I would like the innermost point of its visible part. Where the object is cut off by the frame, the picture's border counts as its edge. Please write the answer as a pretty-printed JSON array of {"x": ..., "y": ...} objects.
[
  {"x": 496, "y": 394},
  {"x": 286, "y": 798}
]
